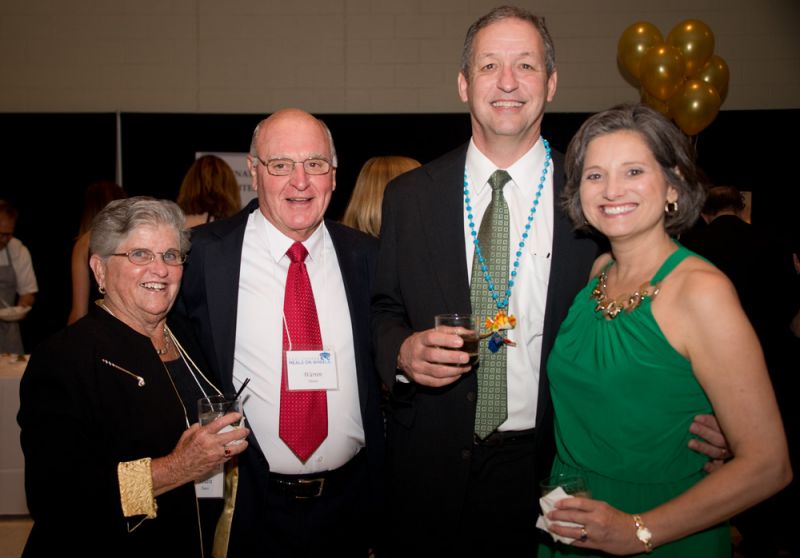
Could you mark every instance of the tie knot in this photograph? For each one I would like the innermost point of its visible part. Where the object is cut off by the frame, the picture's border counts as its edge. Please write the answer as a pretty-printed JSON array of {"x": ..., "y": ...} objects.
[
  {"x": 297, "y": 252},
  {"x": 499, "y": 179}
]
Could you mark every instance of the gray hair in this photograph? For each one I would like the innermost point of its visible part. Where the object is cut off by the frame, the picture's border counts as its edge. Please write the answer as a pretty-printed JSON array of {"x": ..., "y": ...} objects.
[
  {"x": 119, "y": 218},
  {"x": 254, "y": 143},
  {"x": 670, "y": 147},
  {"x": 499, "y": 14}
]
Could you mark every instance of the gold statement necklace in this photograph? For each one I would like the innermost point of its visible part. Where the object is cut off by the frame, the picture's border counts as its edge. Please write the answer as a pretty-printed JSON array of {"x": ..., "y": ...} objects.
[{"x": 611, "y": 307}]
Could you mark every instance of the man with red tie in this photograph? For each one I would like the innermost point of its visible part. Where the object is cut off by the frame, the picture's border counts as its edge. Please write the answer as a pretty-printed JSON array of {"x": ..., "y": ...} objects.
[{"x": 279, "y": 295}]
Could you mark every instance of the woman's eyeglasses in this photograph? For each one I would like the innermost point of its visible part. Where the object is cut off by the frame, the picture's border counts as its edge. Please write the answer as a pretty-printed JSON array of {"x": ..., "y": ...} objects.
[{"x": 143, "y": 256}]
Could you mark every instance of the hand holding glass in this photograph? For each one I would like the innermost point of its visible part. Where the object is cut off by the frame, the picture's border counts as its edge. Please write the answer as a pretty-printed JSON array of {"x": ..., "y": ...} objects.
[
  {"x": 470, "y": 337},
  {"x": 212, "y": 407},
  {"x": 574, "y": 485}
]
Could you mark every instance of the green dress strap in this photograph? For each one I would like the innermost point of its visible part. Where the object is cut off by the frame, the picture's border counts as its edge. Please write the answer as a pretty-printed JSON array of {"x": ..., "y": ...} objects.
[{"x": 671, "y": 263}]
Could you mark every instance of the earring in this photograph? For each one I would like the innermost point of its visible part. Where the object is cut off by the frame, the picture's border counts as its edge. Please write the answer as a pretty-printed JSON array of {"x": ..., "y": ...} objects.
[
  {"x": 671, "y": 207},
  {"x": 102, "y": 289}
]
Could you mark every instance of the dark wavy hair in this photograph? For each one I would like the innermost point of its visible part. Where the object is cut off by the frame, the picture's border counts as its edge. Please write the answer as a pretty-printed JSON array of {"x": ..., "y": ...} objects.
[{"x": 670, "y": 147}]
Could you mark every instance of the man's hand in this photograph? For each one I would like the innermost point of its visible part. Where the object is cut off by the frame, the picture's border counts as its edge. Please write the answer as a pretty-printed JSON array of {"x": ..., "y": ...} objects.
[
  {"x": 431, "y": 357},
  {"x": 713, "y": 442}
]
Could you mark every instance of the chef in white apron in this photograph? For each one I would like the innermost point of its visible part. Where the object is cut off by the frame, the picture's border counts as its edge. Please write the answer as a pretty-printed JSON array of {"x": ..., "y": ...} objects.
[{"x": 17, "y": 280}]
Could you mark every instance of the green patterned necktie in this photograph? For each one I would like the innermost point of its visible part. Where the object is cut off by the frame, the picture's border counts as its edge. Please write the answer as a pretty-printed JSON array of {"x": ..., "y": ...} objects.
[{"x": 492, "y": 406}]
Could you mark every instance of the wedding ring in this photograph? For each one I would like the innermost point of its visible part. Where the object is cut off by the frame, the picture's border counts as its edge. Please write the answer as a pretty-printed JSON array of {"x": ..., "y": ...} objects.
[{"x": 584, "y": 535}]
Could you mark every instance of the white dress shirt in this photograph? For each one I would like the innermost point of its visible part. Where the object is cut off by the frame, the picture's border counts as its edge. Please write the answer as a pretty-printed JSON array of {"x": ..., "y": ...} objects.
[
  {"x": 529, "y": 293},
  {"x": 22, "y": 264},
  {"x": 259, "y": 345}
]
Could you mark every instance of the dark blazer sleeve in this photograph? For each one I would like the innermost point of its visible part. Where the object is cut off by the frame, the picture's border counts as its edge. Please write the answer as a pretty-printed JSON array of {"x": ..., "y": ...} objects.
[
  {"x": 421, "y": 269},
  {"x": 573, "y": 255},
  {"x": 210, "y": 289}
]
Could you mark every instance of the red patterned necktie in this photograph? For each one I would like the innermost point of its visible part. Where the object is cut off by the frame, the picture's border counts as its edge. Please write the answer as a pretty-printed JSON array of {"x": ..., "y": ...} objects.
[{"x": 304, "y": 414}]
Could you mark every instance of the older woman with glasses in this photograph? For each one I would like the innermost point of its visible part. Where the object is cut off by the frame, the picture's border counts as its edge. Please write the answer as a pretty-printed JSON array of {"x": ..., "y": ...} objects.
[{"x": 108, "y": 405}]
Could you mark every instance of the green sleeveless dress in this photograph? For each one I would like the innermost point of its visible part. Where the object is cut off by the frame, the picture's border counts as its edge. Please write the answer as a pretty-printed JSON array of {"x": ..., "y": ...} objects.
[{"x": 624, "y": 400}]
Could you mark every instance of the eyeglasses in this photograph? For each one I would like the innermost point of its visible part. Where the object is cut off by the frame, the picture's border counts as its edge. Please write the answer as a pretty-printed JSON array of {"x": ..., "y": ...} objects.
[
  {"x": 143, "y": 256},
  {"x": 285, "y": 167}
]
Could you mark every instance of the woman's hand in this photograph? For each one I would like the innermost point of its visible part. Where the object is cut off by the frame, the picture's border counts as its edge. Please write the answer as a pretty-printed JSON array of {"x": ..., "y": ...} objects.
[
  {"x": 199, "y": 450},
  {"x": 604, "y": 527}
]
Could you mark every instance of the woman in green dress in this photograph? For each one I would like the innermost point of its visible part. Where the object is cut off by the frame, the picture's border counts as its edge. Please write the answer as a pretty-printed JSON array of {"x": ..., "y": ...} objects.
[{"x": 656, "y": 337}]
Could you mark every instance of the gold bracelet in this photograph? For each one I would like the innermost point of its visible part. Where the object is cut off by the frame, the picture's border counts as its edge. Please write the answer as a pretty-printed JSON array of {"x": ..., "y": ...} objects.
[{"x": 643, "y": 533}]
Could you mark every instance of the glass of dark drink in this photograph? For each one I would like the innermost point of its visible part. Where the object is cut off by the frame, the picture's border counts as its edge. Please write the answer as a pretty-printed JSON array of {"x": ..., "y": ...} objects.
[{"x": 467, "y": 331}]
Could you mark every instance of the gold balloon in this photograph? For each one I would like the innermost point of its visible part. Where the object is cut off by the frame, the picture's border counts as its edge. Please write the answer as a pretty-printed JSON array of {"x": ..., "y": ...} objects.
[
  {"x": 662, "y": 71},
  {"x": 695, "y": 106},
  {"x": 634, "y": 42},
  {"x": 716, "y": 73},
  {"x": 652, "y": 102},
  {"x": 695, "y": 39}
]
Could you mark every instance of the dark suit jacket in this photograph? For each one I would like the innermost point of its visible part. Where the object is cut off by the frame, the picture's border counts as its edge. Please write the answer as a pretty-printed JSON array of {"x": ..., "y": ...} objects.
[
  {"x": 209, "y": 296},
  {"x": 422, "y": 271},
  {"x": 79, "y": 418}
]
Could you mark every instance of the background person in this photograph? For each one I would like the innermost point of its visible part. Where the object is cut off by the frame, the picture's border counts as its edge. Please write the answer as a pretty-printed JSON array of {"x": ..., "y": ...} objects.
[
  {"x": 110, "y": 454},
  {"x": 209, "y": 191},
  {"x": 655, "y": 338},
  {"x": 17, "y": 280},
  {"x": 97, "y": 196},
  {"x": 262, "y": 285},
  {"x": 363, "y": 212},
  {"x": 758, "y": 261}
]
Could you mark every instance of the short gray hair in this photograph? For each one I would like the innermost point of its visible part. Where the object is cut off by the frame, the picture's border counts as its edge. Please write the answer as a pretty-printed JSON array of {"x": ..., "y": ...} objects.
[
  {"x": 499, "y": 14},
  {"x": 254, "y": 143},
  {"x": 119, "y": 218}
]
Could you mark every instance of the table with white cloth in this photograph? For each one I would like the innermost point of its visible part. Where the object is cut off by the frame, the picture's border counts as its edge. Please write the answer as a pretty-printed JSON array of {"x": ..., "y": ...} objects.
[{"x": 12, "y": 463}]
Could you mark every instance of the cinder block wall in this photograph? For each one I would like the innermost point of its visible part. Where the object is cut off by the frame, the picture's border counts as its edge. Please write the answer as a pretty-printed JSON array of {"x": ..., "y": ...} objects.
[{"x": 348, "y": 56}]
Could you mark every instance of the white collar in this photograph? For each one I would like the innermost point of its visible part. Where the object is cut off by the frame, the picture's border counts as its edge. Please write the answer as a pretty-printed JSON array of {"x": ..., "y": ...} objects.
[{"x": 525, "y": 172}]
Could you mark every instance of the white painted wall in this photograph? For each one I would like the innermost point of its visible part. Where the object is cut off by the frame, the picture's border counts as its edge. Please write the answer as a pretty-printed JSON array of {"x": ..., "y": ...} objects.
[{"x": 349, "y": 56}]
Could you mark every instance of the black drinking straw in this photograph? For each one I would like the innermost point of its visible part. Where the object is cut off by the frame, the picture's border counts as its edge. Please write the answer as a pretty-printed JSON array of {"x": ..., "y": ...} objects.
[{"x": 235, "y": 397}]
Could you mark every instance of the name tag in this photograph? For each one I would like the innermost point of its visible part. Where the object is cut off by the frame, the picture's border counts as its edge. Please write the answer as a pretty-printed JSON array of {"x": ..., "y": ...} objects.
[
  {"x": 213, "y": 486},
  {"x": 311, "y": 370}
]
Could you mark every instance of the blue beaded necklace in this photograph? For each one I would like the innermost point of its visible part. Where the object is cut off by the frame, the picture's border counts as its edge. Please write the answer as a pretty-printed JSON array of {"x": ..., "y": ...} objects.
[{"x": 501, "y": 321}]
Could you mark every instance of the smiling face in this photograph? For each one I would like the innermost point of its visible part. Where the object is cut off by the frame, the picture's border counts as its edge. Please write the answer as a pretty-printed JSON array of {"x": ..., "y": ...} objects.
[
  {"x": 295, "y": 204},
  {"x": 140, "y": 295},
  {"x": 508, "y": 87},
  {"x": 623, "y": 189}
]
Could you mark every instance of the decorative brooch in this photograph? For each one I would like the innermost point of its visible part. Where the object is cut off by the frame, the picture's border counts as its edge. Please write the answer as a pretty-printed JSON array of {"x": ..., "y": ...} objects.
[{"x": 501, "y": 321}]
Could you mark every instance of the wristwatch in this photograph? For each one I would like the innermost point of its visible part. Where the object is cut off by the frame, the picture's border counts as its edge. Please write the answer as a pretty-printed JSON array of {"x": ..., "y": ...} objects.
[{"x": 643, "y": 533}]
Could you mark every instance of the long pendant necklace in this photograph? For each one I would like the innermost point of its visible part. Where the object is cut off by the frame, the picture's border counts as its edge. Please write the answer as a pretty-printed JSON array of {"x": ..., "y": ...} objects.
[{"x": 502, "y": 320}]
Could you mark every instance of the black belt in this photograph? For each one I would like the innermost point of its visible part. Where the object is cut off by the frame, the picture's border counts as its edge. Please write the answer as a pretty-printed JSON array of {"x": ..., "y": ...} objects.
[
  {"x": 314, "y": 485},
  {"x": 497, "y": 438}
]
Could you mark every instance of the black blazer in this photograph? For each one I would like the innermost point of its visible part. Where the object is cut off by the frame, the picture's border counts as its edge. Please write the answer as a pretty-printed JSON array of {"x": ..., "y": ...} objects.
[
  {"x": 422, "y": 271},
  {"x": 209, "y": 296},
  {"x": 79, "y": 418}
]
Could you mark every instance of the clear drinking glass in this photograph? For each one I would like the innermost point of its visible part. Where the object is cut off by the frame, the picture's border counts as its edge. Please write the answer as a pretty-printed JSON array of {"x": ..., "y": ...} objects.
[
  {"x": 574, "y": 485},
  {"x": 445, "y": 322}
]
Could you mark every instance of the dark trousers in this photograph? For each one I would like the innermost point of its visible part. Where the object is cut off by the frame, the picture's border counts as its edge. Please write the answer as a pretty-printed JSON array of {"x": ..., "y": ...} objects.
[
  {"x": 335, "y": 523},
  {"x": 499, "y": 513},
  {"x": 501, "y": 507}
]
